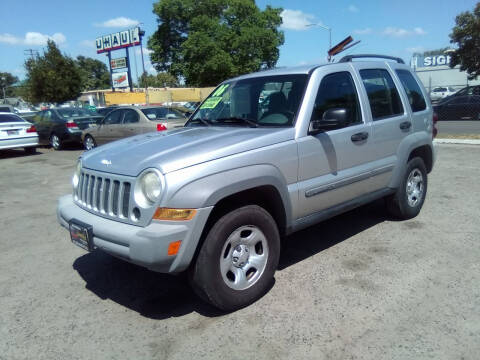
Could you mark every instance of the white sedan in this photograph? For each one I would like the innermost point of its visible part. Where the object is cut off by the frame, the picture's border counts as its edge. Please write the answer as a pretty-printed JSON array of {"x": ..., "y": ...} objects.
[{"x": 16, "y": 132}]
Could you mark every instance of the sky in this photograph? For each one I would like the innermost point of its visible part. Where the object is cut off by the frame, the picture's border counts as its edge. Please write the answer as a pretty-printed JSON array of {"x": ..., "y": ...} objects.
[{"x": 383, "y": 27}]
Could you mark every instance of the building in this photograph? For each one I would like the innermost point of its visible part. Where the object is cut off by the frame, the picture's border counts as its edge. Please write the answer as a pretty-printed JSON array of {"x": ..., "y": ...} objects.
[{"x": 434, "y": 71}]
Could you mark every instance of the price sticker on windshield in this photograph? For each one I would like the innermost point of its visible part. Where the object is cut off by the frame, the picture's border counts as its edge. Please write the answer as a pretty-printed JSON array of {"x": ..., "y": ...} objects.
[{"x": 211, "y": 103}]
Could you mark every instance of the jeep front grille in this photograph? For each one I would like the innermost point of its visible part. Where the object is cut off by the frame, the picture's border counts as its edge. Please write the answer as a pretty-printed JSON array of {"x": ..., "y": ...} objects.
[{"x": 103, "y": 193}]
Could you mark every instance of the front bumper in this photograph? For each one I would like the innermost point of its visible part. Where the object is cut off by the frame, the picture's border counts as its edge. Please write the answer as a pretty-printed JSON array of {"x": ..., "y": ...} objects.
[{"x": 144, "y": 246}]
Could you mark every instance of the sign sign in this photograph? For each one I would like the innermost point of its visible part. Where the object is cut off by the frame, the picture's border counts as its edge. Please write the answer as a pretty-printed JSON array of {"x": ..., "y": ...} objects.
[
  {"x": 430, "y": 61},
  {"x": 118, "y": 63},
  {"x": 120, "y": 79},
  {"x": 118, "y": 40}
]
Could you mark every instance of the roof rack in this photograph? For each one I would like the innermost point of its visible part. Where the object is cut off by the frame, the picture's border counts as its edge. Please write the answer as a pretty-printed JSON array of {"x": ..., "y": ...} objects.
[{"x": 349, "y": 58}]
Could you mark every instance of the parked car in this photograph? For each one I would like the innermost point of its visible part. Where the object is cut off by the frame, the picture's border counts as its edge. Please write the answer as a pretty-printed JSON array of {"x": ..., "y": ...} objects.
[
  {"x": 5, "y": 108},
  {"x": 441, "y": 92},
  {"x": 104, "y": 111},
  {"x": 58, "y": 126},
  {"x": 16, "y": 132},
  {"x": 465, "y": 107},
  {"x": 132, "y": 120},
  {"x": 215, "y": 197}
]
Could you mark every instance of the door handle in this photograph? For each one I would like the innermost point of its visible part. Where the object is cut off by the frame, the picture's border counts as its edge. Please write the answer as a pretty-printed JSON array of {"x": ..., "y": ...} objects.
[
  {"x": 405, "y": 125},
  {"x": 359, "y": 136}
]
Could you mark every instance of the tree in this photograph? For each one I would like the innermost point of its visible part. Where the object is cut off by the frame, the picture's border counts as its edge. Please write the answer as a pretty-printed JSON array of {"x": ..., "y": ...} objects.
[
  {"x": 207, "y": 41},
  {"x": 94, "y": 73},
  {"x": 6, "y": 82},
  {"x": 466, "y": 36},
  {"x": 52, "y": 77},
  {"x": 162, "y": 79}
]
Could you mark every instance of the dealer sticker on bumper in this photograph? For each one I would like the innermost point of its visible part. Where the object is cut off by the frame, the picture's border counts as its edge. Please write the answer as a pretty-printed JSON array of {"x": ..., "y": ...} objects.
[{"x": 81, "y": 234}]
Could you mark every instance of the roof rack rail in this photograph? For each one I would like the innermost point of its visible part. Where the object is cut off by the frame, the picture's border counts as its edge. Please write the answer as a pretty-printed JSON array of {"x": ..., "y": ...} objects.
[{"x": 350, "y": 57}]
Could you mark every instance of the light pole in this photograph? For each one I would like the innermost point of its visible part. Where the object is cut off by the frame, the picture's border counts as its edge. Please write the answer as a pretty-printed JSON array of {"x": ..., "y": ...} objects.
[
  {"x": 329, "y": 35},
  {"x": 4, "y": 80}
]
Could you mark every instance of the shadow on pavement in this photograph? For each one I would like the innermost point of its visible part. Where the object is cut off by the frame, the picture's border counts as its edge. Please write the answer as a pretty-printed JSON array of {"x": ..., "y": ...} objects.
[
  {"x": 15, "y": 153},
  {"x": 312, "y": 240},
  {"x": 161, "y": 296}
]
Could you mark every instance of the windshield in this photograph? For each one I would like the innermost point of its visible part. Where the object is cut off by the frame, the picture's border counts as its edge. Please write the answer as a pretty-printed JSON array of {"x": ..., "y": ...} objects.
[
  {"x": 259, "y": 101},
  {"x": 68, "y": 113}
]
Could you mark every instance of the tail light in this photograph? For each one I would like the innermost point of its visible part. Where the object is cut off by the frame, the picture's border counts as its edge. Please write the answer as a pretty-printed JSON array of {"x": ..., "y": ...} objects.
[
  {"x": 434, "y": 130},
  {"x": 161, "y": 127},
  {"x": 31, "y": 129},
  {"x": 72, "y": 125}
]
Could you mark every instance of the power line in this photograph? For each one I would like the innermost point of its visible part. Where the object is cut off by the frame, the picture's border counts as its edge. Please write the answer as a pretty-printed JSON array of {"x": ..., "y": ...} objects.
[{"x": 30, "y": 52}]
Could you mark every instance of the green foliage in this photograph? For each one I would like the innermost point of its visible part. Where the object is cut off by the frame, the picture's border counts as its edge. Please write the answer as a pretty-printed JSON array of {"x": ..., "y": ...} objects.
[
  {"x": 94, "y": 73},
  {"x": 162, "y": 79},
  {"x": 52, "y": 77},
  {"x": 207, "y": 41},
  {"x": 6, "y": 82},
  {"x": 466, "y": 36}
]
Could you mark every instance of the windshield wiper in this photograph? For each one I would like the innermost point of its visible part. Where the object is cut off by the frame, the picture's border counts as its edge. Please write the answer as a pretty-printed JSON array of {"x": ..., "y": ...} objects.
[
  {"x": 203, "y": 121},
  {"x": 245, "y": 120}
]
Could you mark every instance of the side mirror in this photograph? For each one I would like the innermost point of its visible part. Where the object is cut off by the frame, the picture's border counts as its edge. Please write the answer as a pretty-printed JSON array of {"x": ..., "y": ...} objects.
[
  {"x": 334, "y": 118},
  {"x": 187, "y": 114}
]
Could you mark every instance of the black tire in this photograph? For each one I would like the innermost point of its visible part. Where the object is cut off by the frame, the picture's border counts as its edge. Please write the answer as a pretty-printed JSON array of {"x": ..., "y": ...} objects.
[
  {"x": 398, "y": 204},
  {"x": 55, "y": 142},
  {"x": 86, "y": 142},
  {"x": 30, "y": 150},
  {"x": 205, "y": 274}
]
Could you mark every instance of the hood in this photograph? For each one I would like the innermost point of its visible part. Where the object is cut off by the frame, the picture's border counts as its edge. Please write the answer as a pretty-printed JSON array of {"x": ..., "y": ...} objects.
[{"x": 180, "y": 148}]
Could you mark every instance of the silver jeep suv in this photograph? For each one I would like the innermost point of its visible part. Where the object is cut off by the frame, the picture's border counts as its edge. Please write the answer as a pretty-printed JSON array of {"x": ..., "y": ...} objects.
[{"x": 265, "y": 155}]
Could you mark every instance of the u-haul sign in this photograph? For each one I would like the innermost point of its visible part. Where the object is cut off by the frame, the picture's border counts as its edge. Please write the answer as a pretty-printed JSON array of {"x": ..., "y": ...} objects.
[{"x": 118, "y": 40}]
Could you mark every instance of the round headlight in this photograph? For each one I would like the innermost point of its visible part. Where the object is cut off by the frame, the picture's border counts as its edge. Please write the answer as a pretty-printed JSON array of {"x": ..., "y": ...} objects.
[
  {"x": 151, "y": 186},
  {"x": 148, "y": 188},
  {"x": 76, "y": 175}
]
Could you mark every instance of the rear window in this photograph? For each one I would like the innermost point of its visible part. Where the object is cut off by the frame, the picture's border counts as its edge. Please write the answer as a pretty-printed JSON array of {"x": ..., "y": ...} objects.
[
  {"x": 161, "y": 113},
  {"x": 68, "y": 113},
  {"x": 5, "y": 109},
  {"x": 6, "y": 118},
  {"x": 414, "y": 94},
  {"x": 382, "y": 93}
]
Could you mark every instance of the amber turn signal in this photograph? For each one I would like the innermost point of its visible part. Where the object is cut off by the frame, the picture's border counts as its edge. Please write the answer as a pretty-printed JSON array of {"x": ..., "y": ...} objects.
[
  {"x": 173, "y": 247},
  {"x": 174, "y": 214}
]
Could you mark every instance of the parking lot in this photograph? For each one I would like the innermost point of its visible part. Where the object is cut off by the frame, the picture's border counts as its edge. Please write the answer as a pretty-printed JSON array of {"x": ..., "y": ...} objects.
[{"x": 359, "y": 286}]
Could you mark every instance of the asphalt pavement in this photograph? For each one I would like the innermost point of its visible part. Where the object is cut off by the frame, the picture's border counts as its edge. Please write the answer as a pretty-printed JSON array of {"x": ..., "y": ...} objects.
[
  {"x": 359, "y": 286},
  {"x": 458, "y": 127}
]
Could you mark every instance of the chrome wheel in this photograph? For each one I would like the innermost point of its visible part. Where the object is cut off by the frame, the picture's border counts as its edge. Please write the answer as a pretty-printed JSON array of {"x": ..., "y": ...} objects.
[
  {"x": 415, "y": 187},
  {"x": 55, "y": 142},
  {"x": 89, "y": 143},
  {"x": 244, "y": 257}
]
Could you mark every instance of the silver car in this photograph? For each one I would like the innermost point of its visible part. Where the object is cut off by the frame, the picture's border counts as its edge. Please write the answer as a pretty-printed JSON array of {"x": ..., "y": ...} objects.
[
  {"x": 215, "y": 197},
  {"x": 132, "y": 120},
  {"x": 16, "y": 132}
]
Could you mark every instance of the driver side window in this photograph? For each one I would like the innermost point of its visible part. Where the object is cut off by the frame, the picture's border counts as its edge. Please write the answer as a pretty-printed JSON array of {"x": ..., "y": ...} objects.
[
  {"x": 115, "y": 117},
  {"x": 337, "y": 91}
]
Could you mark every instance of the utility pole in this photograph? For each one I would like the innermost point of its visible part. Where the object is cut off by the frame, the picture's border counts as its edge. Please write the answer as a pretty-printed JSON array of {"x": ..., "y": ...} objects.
[
  {"x": 31, "y": 53},
  {"x": 141, "y": 34}
]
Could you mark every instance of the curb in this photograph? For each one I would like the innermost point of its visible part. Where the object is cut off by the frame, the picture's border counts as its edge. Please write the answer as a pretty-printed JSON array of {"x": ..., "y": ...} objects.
[{"x": 457, "y": 141}]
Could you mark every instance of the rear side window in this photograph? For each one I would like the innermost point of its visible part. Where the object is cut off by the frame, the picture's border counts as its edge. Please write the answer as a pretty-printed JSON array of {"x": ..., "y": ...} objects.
[
  {"x": 7, "y": 118},
  {"x": 130, "y": 117},
  {"x": 382, "y": 93},
  {"x": 414, "y": 94}
]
